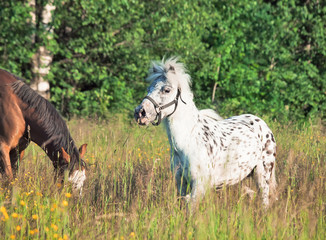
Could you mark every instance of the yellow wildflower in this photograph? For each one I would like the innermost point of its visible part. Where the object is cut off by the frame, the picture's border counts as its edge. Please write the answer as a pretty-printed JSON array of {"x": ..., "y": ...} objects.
[
  {"x": 31, "y": 232},
  {"x": 64, "y": 203},
  {"x": 65, "y": 237},
  {"x": 55, "y": 235},
  {"x": 4, "y": 213},
  {"x": 132, "y": 234},
  {"x": 68, "y": 195},
  {"x": 18, "y": 228},
  {"x": 55, "y": 227},
  {"x": 35, "y": 217},
  {"x": 22, "y": 203},
  {"x": 54, "y": 206},
  {"x": 14, "y": 215},
  {"x": 12, "y": 237}
]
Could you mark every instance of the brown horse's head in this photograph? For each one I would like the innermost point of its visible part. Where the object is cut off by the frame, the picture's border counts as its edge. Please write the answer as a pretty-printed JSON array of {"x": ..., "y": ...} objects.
[{"x": 77, "y": 174}]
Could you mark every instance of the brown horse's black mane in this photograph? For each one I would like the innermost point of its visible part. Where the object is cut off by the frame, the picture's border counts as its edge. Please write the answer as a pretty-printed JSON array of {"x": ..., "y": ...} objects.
[{"x": 49, "y": 120}]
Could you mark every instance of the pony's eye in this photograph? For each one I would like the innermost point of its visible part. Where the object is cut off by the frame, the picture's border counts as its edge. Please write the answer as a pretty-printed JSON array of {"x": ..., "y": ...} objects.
[{"x": 167, "y": 90}]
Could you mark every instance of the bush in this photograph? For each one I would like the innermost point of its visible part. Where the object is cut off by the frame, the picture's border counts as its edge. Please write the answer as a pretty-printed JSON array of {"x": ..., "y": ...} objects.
[
  {"x": 263, "y": 57},
  {"x": 16, "y": 48}
]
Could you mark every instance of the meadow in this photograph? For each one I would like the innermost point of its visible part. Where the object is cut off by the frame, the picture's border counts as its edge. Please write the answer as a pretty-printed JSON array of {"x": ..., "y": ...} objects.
[{"x": 130, "y": 192}]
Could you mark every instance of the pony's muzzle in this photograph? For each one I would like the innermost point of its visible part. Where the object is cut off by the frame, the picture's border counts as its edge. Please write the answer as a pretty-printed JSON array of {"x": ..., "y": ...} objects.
[{"x": 140, "y": 115}]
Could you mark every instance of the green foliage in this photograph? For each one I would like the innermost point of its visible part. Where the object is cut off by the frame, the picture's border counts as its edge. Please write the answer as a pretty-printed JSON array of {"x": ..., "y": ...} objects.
[
  {"x": 16, "y": 32},
  {"x": 265, "y": 57}
]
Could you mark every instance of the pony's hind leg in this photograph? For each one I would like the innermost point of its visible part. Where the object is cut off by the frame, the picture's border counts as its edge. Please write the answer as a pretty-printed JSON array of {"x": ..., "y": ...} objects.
[
  {"x": 273, "y": 184},
  {"x": 265, "y": 177}
]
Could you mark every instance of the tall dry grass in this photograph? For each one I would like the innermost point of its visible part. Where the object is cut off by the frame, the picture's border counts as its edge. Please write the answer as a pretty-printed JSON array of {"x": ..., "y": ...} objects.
[{"x": 130, "y": 192}]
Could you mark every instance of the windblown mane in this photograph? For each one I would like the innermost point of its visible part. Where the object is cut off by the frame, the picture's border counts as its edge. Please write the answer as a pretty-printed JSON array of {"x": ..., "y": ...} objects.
[
  {"x": 48, "y": 118},
  {"x": 174, "y": 71}
]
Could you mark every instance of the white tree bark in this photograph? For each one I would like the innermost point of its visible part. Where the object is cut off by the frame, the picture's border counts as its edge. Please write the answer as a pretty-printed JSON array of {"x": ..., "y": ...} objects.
[{"x": 42, "y": 58}]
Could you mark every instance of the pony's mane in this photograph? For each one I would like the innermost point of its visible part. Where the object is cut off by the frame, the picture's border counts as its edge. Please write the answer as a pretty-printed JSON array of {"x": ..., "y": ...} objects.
[
  {"x": 46, "y": 115},
  {"x": 171, "y": 70}
]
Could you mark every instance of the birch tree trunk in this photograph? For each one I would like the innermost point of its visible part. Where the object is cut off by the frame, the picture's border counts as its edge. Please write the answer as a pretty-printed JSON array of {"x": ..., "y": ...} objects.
[{"x": 41, "y": 18}]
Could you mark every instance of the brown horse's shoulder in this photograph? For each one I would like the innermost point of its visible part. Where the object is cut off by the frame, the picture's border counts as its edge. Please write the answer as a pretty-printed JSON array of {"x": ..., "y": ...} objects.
[{"x": 12, "y": 123}]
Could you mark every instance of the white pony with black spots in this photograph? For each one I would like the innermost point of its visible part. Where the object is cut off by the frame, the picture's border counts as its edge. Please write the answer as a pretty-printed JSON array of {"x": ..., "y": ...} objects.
[{"x": 206, "y": 151}]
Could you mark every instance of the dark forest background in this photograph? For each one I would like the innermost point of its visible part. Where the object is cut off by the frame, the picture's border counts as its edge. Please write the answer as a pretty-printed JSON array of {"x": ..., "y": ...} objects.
[{"x": 261, "y": 57}]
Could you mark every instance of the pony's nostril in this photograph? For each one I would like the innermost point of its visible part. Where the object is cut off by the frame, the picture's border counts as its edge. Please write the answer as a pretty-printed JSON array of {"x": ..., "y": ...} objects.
[{"x": 142, "y": 113}]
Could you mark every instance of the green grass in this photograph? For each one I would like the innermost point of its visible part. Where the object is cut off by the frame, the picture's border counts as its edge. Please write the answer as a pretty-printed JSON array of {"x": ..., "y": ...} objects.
[{"x": 130, "y": 192}]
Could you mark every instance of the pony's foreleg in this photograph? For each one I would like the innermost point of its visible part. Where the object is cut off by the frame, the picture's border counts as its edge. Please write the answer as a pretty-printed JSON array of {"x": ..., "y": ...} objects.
[
  {"x": 198, "y": 191},
  {"x": 179, "y": 172},
  {"x": 5, "y": 159},
  {"x": 181, "y": 181}
]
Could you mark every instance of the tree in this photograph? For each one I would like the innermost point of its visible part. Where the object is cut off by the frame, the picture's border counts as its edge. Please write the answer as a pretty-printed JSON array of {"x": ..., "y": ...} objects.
[
  {"x": 41, "y": 21},
  {"x": 261, "y": 57}
]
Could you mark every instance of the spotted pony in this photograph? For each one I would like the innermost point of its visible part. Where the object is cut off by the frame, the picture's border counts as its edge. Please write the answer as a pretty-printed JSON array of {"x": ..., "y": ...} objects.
[{"x": 206, "y": 151}]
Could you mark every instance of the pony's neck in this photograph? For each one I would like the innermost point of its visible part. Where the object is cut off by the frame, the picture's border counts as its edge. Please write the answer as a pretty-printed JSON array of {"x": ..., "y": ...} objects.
[{"x": 181, "y": 124}]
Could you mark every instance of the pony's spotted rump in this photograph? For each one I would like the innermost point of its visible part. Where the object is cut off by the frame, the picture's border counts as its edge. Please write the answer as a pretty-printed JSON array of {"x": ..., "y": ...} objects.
[{"x": 206, "y": 151}]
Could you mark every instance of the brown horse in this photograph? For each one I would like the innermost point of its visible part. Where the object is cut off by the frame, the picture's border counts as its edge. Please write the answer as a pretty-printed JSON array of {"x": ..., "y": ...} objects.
[{"x": 26, "y": 116}]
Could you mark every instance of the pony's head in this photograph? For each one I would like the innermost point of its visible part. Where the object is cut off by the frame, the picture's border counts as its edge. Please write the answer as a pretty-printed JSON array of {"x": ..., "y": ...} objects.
[
  {"x": 77, "y": 174},
  {"x": 170, "y": 86}
]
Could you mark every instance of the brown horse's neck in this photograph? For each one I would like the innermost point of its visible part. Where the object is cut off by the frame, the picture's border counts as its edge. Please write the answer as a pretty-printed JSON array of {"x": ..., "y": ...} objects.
[
  {"x": 46, "y": 126},
  {"x": 52, "y": 143}
]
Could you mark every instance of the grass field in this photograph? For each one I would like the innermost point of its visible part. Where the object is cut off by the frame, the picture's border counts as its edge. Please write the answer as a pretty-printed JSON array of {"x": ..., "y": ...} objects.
[{"x": 130, "y": 192}]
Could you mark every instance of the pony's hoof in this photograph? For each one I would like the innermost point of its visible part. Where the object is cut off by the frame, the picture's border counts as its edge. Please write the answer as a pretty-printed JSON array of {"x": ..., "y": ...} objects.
[
  {"x": 187, "y": 198},
  {"x": 248, "y": 191}
]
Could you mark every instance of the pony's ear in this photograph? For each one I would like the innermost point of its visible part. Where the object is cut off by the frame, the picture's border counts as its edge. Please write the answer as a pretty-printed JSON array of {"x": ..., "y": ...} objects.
[
  {"x": 65, "y": 155},
  {"x": 82, "y": 150},
  {"x": 172, "y": 69}
]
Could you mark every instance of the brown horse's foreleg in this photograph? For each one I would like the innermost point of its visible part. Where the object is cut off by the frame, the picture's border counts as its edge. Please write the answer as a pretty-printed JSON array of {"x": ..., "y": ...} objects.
[
  {"x": 17, "y": 154},
  {"x": 15, "y": 158},
  {"x": 4, "y": 157}
]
